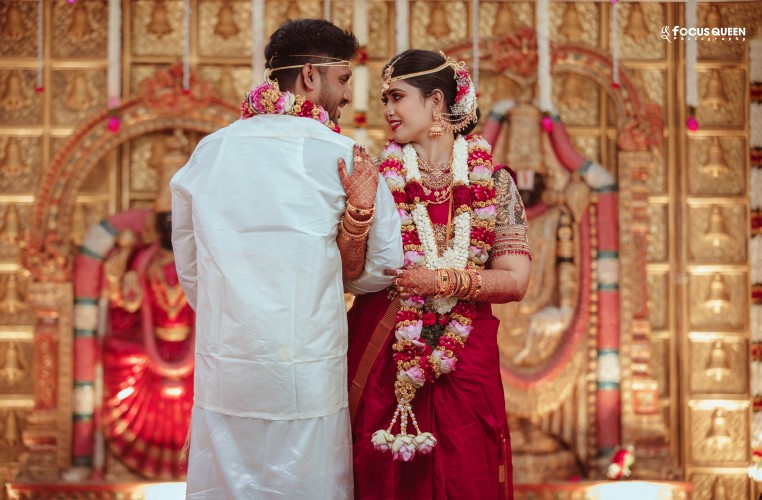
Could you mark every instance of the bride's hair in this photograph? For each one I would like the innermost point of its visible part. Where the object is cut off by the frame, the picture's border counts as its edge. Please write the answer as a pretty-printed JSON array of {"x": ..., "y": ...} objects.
[{"x": 415, "y": 60}]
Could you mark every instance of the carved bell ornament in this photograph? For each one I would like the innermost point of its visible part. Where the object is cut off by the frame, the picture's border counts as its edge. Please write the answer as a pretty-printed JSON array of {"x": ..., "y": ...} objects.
[
  {"x": 12, "y": 369},
  {"x": 718, "y": 365},
  {"x": 12, "y": 301},
  {"x": 714, "y": 95},
  {"x": 571, "y": 92},
  {"x": 571, "y": 27},
  {"x": 637, "y": 27},
  {"x": 715, "y": 165},
  {"x": 438, "y": 26},
  {"x": 11, "y": 434},
  {"x": 718, "y": 298},
  {"x": 718, "y": 434},
  {"x": 158, "y": 23},
  {"x": 13, "y": 165},
  {"x": 504, "y": 20},
  {"x": 79, "y": 96},
  {"x": 13, "y": 93},
  {"x": 80, "y": 28},
  {"x": 226, "y": 26},
  {"x": 293, "y": 11},
  {"x": 716, "y": 233},
  {"x": 13, "y": 28},
  {"x": 10, "y": 233},
  {"x": 713, "y": 17},
  {"x": 226, "y": 84}
]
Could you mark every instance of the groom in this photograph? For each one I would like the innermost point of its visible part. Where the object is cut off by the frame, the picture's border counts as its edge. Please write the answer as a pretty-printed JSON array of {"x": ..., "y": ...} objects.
[{"x": 264, "y": 229}]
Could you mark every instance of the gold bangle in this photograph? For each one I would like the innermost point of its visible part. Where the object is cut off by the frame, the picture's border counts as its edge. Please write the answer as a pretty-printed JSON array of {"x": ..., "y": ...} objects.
[
  {"x": 360, "y": 211},
  {"x": 344, "y": 231},
  {"x": 357, "y": 223},
  {"x": 476, "y": 285}
]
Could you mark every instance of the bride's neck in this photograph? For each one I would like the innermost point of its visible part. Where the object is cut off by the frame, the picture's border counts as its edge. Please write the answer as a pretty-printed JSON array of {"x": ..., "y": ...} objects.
[{"x": 435, "y": 149}]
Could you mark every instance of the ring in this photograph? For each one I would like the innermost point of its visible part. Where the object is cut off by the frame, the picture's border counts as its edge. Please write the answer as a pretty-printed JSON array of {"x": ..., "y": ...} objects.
[
  {"x": 399, "y": 272},
  {"x": 400, "y": 289}
]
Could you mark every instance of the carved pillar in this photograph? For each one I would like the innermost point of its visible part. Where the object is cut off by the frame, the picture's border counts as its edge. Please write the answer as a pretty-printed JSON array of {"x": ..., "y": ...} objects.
[{"x": 642, "y": 420}]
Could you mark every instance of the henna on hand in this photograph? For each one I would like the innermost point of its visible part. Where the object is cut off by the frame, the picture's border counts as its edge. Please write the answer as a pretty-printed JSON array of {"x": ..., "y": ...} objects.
[
  {"x": 415, "y": 281},
  {"x": 361, "y": 185}
]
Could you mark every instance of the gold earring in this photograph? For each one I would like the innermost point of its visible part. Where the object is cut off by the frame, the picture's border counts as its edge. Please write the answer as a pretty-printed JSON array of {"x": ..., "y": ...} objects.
[{"x": 437, "y": 126}]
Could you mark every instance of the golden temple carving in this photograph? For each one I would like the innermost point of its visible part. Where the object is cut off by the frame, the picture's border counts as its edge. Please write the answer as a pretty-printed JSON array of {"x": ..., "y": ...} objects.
[
  {"x": 13, "y": 367},
  {"x": 637, "y": 26},
  {"x": 505, "y": 20},
  {"x": 226, "y": 26},
  {"x": 13, "y": 28},
  {"x": 714, "y": 95},
  {"x": 14, "y": 95},
  {"x": 80, "y": 27},
  {"x": 571, "y": 28},
  {"x": 159, "y": 23},
  {"x": 438, "y": 25}
]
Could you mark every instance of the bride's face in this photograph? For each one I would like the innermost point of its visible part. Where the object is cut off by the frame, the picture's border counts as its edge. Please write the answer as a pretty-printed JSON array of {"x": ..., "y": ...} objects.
[{"x": 408, "y": 114}]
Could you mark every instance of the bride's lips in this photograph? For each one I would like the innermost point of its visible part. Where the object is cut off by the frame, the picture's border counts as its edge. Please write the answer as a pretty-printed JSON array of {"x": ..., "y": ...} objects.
[{"x": 394, "y": 124}]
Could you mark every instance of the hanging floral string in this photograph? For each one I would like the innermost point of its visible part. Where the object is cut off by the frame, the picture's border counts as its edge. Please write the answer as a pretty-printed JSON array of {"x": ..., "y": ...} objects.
[
  {"x": 691, "y": 79},
  {"x": 403, "y": 38},
  {"x": 114, "y": 62},
  {"x": 39, "y": 87},
  {"x": 327, "y": 10},
  {"x": 257, "y": 46},
  {"x": 360, "y": 71},
  {"x": 615, "y": 44},
  {"x": 186, "y": 47},
  {"x": 475, "y": 43},
  {"x": 544, "y": 81}
]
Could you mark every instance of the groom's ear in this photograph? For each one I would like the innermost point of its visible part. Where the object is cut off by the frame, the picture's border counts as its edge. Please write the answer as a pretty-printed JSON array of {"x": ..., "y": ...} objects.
[{"x": 308, "y": 75}]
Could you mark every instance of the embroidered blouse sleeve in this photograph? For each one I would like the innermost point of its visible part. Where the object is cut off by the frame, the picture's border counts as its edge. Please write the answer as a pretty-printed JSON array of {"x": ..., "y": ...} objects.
[{"x": 511, "y": 226}]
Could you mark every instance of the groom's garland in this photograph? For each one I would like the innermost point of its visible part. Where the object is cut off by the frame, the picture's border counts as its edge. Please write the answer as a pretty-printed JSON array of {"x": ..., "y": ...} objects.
[
  {"x": 268, "y": 99},
  {"x": 432, "y": 331}
]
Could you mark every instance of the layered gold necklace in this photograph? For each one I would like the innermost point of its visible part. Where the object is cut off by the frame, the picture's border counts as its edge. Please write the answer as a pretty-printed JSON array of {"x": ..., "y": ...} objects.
[{"x": 436, "y": 179}]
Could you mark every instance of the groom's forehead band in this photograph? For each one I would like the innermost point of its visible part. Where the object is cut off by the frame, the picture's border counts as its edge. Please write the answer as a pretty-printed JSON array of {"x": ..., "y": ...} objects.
[{"x": 331, "y": 61}]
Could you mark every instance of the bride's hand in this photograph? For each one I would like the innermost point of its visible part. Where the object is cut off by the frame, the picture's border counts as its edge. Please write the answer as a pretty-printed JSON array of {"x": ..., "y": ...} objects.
[
  {"x": 415, "y": 281},
  {"x": 362, "y": 183}
]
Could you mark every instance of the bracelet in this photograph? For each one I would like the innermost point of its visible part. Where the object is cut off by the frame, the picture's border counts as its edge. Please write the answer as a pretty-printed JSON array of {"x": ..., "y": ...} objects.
[
  {"x": 357, "y": 223},
  {"x": 360, "y": 211},
  {"x": 448, "y": 282},
  {"x": 344, "y": 231},
  {"x": 476, "y": 285}
]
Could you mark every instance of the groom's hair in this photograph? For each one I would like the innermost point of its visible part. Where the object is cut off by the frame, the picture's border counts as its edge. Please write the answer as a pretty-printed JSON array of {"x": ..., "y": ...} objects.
[{"x": 298, "y": 38}]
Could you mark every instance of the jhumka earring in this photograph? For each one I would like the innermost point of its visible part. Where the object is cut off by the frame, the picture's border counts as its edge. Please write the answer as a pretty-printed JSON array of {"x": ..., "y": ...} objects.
[{"x": 437, "y": 127}]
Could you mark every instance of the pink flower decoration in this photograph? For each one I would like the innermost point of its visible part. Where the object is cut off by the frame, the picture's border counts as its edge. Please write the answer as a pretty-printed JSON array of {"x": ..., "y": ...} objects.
[
  {"x": 410, "y": 332},
  {"x": 404, "y": 216},
  {"x": 486, "y": 213},
  {"x": 415, "y": 375},
  {"x": 462, "y": 331},
  {"x": 692, "y": 124},
  {"x": 547, "y": 124},
  {"x": 382, "y": 440},
  {"x": 403, "y": 448},
  {"x": 114, "y": 124},
  {"x": 414, "y": 301},
  {"x": 425, "y": 443},
  {"x": 412, "y": 258}
]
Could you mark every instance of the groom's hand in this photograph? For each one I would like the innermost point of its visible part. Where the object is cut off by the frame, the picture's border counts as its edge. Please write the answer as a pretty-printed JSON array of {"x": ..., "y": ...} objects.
[{"x": 362, "y": 184}]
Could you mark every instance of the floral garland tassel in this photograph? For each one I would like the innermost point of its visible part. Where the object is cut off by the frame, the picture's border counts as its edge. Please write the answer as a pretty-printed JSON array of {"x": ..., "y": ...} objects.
[{"x": 432, "y": 332}]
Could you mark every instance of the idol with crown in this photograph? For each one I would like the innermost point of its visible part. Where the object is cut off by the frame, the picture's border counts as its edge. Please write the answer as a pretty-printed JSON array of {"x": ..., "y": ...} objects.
[{"x": 424, "y": 381}]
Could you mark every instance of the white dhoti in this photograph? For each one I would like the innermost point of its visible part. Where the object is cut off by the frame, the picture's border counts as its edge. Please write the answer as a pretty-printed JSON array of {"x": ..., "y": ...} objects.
[{"x": 250, "y": 458}]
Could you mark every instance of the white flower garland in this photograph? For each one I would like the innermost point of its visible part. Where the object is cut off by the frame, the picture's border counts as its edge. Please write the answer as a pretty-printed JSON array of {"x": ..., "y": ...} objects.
[{"x": 457, "y": 255}]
